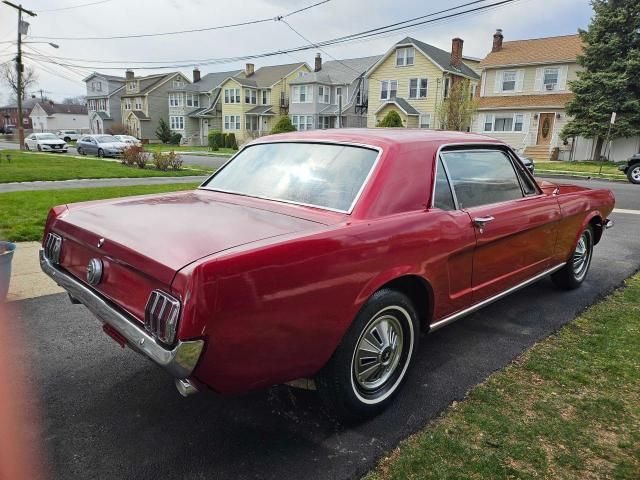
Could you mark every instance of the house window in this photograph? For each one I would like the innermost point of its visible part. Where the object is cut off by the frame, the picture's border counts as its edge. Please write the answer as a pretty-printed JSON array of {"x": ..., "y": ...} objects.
[
  {"x": 231, "y": 95},
  {"x": 265, "y": 97},
  {"x": 388, "y": 89},
  {"x": 127, "y": 103},
  {"x": 447, "y": 83},
  {"x": 509, "y": 81},
  {"x": 251, "y": 122},
  {"x": 518, "y": 122},
  {"x": 178, "y": 83},
  {"x": 405, "y": 56},
  {"x": 359, "y": 96},
  {"x": 176, "y": 122},
  {"x": 324, "y": 122},
  {"x": 324, "y": 94},
  {"x": 131, "y": 86},
  {"x": 302, "y": 122},
  {"x": 488, "y": 123},
  {"x": 504, "y": 122},
  {"x": 339, "y": 97},
  {"x": 302, "y": 94},
  {"x": 472, "y": 91},
  {"x": 175, "y": 100},
  {"x": 138, "y": 103},
  {"x": 232, "y": 122},
  {"x": 417, "y": 88},
  {"x": 425, "y": 120},
  {"x": 250, "y": 96},
  {"x": 550, "y": 78},
  {"x": 192, "y": 100}
]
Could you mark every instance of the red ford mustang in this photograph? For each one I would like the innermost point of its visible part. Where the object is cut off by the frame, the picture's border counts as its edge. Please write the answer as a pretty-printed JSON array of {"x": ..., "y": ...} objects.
[{"x": 321, "y": 255}]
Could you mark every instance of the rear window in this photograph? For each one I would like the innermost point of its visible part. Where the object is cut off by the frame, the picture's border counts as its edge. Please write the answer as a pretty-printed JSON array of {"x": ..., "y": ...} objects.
[{"x": 328, "y": 176}]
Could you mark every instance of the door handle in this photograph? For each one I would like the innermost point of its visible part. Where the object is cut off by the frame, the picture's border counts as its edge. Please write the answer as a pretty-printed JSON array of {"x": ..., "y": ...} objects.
[{"x": 480, "y": 222}]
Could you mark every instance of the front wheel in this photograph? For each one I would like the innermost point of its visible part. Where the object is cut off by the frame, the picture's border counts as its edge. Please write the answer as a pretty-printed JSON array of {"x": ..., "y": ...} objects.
[
  {"x": 39, "y": 148},
  {"x": 633, "y": 174},
  {"x": 100, "y": 153},
  {"x": 371, "y": 362},
  {"x": 80, "y": 151},
  {"x": 575, "y": 270},
  {"x": 26, "y": 147}
]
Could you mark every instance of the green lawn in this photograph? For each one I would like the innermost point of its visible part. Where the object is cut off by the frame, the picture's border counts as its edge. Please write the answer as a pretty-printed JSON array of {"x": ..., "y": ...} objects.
[
  {"x": 162, "y": 147},
  {"x": 24, "y": 213},
  {"x": 27, "y": 167},
  {"x": 569, "y": 408},
  {"x": 586, "y": 169}
]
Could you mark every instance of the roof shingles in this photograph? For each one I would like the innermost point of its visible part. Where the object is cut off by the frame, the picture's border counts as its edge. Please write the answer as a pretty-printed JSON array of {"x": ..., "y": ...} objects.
[{"x": 535, "y": 51}]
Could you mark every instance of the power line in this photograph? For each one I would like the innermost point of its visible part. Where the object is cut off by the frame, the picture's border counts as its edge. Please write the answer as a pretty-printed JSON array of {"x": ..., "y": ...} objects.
[
  {"x": 75, "y": 6},
  {"x": 193, "y": 30},
  {"x": 376, "y": 32}
]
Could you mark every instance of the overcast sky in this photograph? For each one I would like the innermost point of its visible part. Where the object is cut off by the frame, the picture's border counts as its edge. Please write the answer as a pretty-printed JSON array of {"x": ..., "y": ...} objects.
[{"x": 521, "y": 19}]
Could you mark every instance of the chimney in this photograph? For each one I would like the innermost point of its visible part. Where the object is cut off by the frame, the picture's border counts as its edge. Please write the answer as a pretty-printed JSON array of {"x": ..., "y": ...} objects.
[
  {"x": 129, "y": 75},
  {"x": 248, "y": 69},
  {"x": 497, "y": 40},
  {"x": 196, "y": 75},
  {"x": 318, "y": 65},
  {"x": 456, "y": 51}
]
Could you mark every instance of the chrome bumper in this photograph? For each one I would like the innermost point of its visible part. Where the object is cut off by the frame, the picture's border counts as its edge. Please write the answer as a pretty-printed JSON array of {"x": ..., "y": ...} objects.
[{"x": 180, "y": 361}]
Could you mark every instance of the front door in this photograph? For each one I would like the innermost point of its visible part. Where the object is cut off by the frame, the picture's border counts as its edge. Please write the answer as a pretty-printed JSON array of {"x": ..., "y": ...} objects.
[
  {"x": 515, "y": 224},
  {"x": 545, "y": 128}
]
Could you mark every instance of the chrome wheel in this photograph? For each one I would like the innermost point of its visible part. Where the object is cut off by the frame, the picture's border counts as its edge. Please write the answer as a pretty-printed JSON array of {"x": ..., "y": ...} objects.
[
  {"x": 582, "y": 255},
  {"x": 635, "y": 174}
]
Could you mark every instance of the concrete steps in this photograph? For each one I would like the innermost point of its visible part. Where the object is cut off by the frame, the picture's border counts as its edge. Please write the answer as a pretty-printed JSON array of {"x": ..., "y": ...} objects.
[{"x": 538, "y": 152}]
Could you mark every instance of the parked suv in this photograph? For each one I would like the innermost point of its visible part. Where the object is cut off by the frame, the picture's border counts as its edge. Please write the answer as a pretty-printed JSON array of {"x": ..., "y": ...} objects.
[
  {"x": 68, "y": 135},
  {"x": 632, "y": 168}
]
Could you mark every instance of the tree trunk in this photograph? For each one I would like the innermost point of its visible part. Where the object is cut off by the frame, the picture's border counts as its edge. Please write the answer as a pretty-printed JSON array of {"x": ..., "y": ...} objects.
[{"x": 598, "y": 150}]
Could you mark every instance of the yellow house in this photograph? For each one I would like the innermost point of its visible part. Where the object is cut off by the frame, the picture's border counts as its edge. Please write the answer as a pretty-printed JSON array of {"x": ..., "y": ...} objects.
[
  {"x": 413, "y": 78},
  {"x": 252, "y": 100}
]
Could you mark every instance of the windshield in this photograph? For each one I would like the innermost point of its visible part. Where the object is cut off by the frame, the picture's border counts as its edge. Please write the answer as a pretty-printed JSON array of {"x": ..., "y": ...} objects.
[
  {"x": 106, "y": 138},
  {"x": 321, "y": 175},
  {"x": 47, "y": 136}
]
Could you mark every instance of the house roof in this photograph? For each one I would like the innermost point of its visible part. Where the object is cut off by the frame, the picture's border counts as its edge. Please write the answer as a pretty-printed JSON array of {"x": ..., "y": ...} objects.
[
  {"x": 197, "y": 112},
  {"x": 52, "y": 109},
  {"x": 265, "y": 77},
  {"x": 261, "y": 110},
  {"x": 338, "y": 72},
  {"x": 208, "y": 82},
  {"x": 525, "y": 101},
  {"x": 102, "y": 115},
  {"x": 112, "y": 78},
  {"x": 158, "y": 79},
  {"x": 140, "y": 114},
  {"x": 440, "y": 57},
  {"x": 402, "y": 105},
  {"x": 537, "y": 50}
]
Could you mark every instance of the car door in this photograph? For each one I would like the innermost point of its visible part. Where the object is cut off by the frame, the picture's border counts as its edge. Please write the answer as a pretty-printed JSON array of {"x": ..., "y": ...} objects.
[
  {"x": 515, "y": 223},
  {"x": 92, "y": 146},
  {"x": 29, "y": 141}
]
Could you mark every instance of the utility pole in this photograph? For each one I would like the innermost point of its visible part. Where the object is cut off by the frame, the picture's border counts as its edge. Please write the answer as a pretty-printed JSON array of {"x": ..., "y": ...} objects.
[{"x": 22, "y": 26}]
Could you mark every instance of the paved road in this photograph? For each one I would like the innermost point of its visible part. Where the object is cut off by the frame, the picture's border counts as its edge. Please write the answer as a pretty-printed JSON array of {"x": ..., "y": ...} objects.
[{"x": 108, "y": 413}]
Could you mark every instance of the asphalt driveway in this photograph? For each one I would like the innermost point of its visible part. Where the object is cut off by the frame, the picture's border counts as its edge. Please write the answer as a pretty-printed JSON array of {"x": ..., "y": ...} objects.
[{"x": 108, "y": 413}]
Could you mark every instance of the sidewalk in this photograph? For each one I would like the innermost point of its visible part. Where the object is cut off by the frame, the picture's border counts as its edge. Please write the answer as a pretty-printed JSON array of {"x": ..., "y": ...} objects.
[
  {"x": 27, "y": 280},
  {"x": 97, "y": 182}
]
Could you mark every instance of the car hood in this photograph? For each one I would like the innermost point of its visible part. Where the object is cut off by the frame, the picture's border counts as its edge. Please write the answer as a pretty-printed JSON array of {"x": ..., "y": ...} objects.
[
  {"x": 52, "y": 142},
  {"x": 161, "y": 234}
]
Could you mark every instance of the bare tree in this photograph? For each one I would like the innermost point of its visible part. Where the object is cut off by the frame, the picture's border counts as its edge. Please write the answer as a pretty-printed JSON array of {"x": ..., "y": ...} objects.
[
  {"x": 9, "y": 77},
  {"x": 77, "y": 100}
]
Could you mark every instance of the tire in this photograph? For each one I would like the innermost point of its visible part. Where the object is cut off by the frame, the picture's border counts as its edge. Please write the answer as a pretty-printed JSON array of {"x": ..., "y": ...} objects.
[
  {"x": 39, "y": 148},
  {"x": 633, "y": 173},
  {"x": 80, "y": 151},
  {"x": 26, "y": 147},
  {"x": 67, "y": 139},
  {"x": 351, "y": 397},
  {"x": 575, "y": 270},
  {"x": 101, "y": 153}
]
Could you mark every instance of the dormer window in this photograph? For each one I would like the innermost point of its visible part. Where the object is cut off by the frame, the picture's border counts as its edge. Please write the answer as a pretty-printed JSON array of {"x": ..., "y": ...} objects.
[
  {"x": 132, "y": 86},
  {"x": 550, "y": 78},
  {"x": 178, "y": 83},
  {"x": 405, "y": 56}
]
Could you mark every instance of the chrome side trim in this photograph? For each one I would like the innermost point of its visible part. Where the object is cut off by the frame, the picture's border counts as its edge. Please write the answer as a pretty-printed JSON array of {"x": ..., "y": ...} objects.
[
  {"x": 467, "y": 311},
  {"x": 179, "y": 361}
]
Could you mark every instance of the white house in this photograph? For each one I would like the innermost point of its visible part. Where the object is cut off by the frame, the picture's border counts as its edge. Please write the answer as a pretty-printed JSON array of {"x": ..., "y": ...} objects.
[{"x": 50, "y": 117}]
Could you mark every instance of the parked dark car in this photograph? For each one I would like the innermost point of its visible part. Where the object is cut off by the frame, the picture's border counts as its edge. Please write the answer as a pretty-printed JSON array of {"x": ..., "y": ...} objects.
[
  {"x": 632, "y": 168},
  {"x": 100, "y": 145},
  {"x": 527, "y": 162}
]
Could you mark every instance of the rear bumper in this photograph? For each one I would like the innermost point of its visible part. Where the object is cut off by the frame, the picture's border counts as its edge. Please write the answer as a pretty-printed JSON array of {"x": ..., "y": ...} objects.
[{"x": 179, "y": 361}]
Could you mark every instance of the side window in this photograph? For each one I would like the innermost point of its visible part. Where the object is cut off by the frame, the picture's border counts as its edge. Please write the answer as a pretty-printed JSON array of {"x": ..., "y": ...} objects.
[
  {"x": 481, "y": 177},
  {"x": 442, "y": 196}
]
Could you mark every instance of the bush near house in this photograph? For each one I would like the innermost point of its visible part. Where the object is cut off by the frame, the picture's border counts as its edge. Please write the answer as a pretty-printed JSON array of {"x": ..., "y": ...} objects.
[
  {"x": 161, "y": 161},
  {"x": 163, "y": 132},
  {"x": 175, "y": 138},
  {"x": 132, "y": 155},
  {"x": 391, "y": 119},
  {"x": 230, "y": 141},
  {"x": 283, "y": 125},
  {"x": 216, "y": 140}
]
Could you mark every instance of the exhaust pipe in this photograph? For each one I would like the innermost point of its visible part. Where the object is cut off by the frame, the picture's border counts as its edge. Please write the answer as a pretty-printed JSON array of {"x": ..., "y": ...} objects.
[{"x": 186, "y": 387}]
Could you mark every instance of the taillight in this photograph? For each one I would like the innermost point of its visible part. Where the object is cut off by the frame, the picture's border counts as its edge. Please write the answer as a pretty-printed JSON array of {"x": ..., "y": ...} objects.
[
  {"x": 161, "y": 316},
  {"x": 52, "y": 247}
]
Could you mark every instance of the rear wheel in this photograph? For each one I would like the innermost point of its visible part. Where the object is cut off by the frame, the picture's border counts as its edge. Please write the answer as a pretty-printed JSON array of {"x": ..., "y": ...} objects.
[
  {"x": 26, "y": 146},
  {"x": 100, "y": 153},
  {"x": 67, "y": 139},
  {"x": 633, "y": 174},
  {"x": 575, "y": 270},
  {"x": 371, "y": 362}
]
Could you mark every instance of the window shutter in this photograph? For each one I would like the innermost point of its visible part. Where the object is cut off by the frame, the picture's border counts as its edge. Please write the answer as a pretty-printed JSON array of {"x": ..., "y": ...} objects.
[
  {"x": 526, "y": 121},
  {"x": 562, "y": 77},
  {"x": 519, "y": 80},
  {"x": 497, "y": 88},
  {"x": 538, "y": 83}
]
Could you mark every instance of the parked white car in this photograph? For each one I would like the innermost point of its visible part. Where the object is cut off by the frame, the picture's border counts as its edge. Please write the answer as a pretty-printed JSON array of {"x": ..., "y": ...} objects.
[
  {"x": 68, "y": 135},
  {"x": 45, "y": 142},
  {"x": 129, "y": 140}
]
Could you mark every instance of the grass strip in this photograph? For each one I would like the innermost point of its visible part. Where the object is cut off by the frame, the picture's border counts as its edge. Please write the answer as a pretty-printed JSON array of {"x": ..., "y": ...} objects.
[
  {"x": 568, "y": 408},
  {"x": 23, "y": 214}
]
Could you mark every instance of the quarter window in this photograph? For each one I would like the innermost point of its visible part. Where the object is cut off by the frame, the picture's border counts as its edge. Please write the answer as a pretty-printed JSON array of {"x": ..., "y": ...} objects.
[
  {"x": 442, "y": 196},
  {"x": 481, "y": 177}
]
